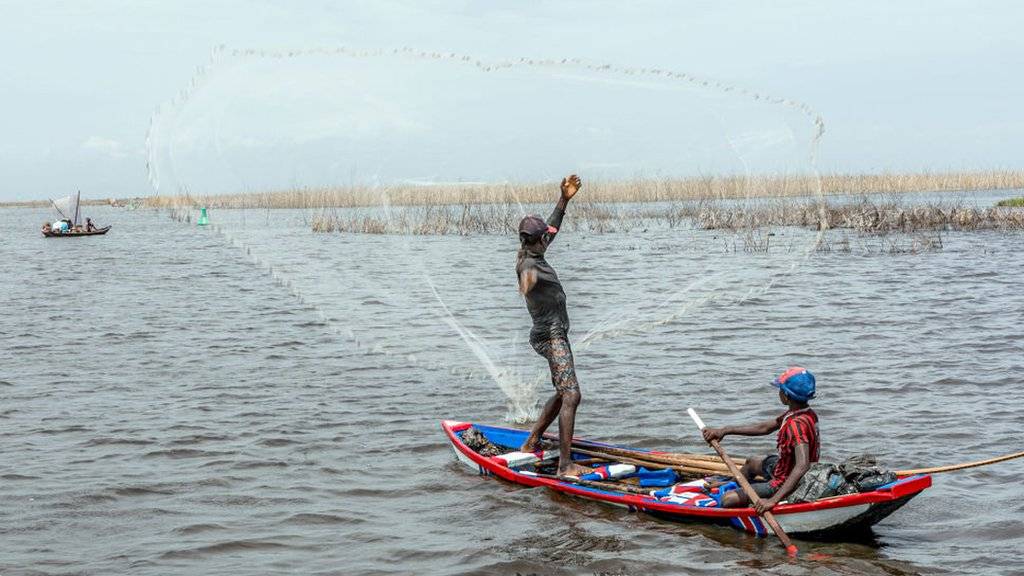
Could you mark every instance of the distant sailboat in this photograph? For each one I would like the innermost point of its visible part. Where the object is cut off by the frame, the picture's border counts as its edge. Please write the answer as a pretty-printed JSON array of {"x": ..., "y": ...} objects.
[{"x": 69, "y": 209}]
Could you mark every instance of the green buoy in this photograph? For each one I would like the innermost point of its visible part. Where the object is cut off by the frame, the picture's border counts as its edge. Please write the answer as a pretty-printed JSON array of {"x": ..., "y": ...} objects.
[{"x": 203, "y": 219}]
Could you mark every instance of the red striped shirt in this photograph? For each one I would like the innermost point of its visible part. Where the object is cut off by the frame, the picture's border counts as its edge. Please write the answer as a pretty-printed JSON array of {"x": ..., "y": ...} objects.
[{"x": 795, "y": 427}]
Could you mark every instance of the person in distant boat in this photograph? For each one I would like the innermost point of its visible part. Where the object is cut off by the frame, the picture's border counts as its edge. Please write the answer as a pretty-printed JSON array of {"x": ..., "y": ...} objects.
[
  {"x": 89, "y": 226},
  {"x": 797, "y": 442},
  {"x": 549, "y": 336},
  {"x": 46, "y": 228}
]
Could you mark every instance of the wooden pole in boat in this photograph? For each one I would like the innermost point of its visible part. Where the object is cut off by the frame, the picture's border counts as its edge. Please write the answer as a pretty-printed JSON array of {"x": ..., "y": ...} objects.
[
  {"x": 695, "y": 460},
  {"x": 648, "y": 463},
  {"x": 677, "y": 458},
  {"x": 769, "y": 518},
  {"x": 589, "y": 461},
  {"x": 963, "y": 466}
]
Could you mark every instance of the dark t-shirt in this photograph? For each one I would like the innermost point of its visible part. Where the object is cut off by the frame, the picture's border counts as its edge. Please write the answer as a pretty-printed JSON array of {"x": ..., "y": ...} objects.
[{"x": 546, "y": 301}]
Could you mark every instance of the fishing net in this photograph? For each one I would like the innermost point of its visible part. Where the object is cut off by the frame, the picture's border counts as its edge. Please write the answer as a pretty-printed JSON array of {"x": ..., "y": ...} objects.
[
  {"x": 419, "y": 149},
  {"x": 859, "y": 473},
  {"x": 479, "y": 443},
  {"x": 257, "y": 121}
]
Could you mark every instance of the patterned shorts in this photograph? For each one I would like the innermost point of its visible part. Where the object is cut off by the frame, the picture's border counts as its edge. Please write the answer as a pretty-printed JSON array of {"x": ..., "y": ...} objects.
[{"x": 556, "y": 350}]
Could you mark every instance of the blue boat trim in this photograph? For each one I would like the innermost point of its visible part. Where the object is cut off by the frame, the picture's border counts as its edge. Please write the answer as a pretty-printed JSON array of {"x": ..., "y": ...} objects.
[{"x": 503, "y": 436}]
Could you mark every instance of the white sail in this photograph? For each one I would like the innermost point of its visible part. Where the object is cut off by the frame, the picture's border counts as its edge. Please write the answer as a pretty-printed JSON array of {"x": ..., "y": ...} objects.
[{"x": 68, "y": 207}]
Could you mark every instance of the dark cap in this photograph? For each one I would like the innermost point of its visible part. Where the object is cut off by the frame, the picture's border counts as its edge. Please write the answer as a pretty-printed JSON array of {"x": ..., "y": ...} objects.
[{"x": 534, "y": 227}]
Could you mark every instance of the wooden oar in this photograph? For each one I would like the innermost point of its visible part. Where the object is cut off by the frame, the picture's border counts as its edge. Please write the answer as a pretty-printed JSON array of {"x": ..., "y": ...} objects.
[
  {"x": 769, "y": 518},
  {"x": 963, "y": 466}
]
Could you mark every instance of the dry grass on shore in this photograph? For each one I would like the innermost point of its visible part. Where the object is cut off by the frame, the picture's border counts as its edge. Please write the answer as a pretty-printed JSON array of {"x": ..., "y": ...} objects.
[
  {"x": 636, "y": 191},
  {"x": 47, "y": 204}
]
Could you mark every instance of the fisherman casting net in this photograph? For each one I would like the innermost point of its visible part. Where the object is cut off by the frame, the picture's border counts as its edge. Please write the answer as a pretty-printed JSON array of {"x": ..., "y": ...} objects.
[{"x": 421, "y": 164}]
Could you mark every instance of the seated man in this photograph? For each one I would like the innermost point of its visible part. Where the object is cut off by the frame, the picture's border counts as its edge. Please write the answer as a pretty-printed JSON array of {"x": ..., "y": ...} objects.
[
  {"x": 89, "y": 226},
  {"x": 797, "y": 444}
]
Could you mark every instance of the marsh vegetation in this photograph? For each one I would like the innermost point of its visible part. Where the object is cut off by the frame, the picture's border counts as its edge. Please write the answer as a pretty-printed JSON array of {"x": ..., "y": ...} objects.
[
  {"x": 872, "y": 204},
  {"x": 637, "y": 191}
]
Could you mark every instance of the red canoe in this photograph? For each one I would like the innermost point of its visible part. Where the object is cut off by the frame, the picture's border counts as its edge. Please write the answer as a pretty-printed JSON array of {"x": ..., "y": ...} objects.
[{"x": 835, "y": 516}]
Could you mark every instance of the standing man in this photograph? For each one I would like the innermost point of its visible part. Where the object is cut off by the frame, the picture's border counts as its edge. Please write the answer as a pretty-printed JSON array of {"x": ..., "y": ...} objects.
[{"x": 549, "y": 336}]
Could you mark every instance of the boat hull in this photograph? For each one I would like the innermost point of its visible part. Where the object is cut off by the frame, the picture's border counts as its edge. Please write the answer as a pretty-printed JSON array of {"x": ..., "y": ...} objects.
[
  {"x": 837, "y": 516},
  {"x": 97, "y": 232}
]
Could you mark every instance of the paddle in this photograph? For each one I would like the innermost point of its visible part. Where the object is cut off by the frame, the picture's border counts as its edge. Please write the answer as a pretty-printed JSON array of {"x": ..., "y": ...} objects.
[{"x": 769, "y": 518}]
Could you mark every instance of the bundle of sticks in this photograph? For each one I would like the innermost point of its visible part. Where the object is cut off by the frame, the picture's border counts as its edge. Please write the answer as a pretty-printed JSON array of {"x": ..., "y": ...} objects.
[
  {"x": 711, "y": 464},
  {"x": 685, "y": 464},
  {"x": 689, "y": 465}
]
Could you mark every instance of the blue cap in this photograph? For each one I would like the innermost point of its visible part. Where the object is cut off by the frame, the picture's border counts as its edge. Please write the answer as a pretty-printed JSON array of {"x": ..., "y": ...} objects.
[{"x": 797, "y": 383}]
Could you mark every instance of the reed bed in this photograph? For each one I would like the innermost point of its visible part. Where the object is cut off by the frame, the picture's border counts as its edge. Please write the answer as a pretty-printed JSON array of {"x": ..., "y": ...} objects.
[
  {"x": 475, "y": 219},
  {"x": 706, "y": 203},
  {"x": 634, "y": 191},
  {"x": 865, "y": 215}
]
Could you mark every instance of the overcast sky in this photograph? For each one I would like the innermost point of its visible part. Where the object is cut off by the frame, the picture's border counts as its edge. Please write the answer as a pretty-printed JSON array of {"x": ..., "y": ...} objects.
[{"x": 901, "y": 85}]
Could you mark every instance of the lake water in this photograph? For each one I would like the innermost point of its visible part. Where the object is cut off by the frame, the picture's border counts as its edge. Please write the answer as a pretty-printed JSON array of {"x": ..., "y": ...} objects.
[{"x": 262, "y": 399}]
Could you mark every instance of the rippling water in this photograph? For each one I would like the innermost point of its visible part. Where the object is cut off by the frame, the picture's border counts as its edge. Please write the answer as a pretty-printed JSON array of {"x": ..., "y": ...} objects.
[{"x": 175, "y": 402}]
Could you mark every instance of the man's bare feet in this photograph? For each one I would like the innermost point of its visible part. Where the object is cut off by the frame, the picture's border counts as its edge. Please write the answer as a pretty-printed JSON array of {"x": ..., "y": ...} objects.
[
  {"x": 529, "y": 446},
  {"x": 574, "y": 469}
]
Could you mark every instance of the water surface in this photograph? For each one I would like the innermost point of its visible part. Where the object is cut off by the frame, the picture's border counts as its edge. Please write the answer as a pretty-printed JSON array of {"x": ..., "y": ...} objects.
[{"x": 263, "y": 399}]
